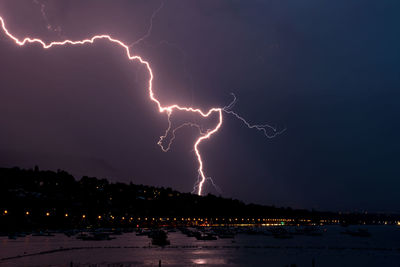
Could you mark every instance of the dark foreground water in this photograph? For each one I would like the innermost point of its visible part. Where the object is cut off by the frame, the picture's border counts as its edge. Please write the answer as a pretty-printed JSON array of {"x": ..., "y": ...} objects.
[{"x": 330, "y": 249}]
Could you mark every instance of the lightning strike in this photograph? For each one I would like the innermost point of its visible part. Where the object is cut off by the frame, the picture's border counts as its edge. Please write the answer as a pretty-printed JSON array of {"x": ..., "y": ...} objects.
[
  {"x": 168, "y": 110},
  {"x": 168, "y": 131},
  {"x": 49, "y": 27},
  {"x": 148, "y": 33},
  {"x": 260, "y": 127}
]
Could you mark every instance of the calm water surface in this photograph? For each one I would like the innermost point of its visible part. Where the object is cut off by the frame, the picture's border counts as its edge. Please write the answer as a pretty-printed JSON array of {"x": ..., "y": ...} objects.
[{"x": 330, "y": 249}]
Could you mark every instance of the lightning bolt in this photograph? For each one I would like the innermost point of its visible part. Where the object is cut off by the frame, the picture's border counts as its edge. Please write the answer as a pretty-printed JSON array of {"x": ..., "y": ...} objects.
[
  {"x": 46, "y": 19},
  {"x": 260, "y": 127},
  {"x": 162, "y": 109},
  {"x": 148, "y": 33}
]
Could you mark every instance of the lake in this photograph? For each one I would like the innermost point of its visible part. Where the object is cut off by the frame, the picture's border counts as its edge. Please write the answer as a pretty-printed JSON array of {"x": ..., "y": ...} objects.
[{"x": 333, "y": 248}]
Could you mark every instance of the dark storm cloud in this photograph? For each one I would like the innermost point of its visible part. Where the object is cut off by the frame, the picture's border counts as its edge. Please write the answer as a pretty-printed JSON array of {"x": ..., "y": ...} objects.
[{"x": 326, "y": 70}]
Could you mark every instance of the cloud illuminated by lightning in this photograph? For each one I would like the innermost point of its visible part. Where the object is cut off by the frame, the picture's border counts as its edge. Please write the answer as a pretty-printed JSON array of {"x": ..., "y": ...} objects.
[{"x": 168, "y": 110}]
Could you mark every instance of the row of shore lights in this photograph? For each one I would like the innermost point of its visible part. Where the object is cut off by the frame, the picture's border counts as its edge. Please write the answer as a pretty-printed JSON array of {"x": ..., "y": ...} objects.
[
  {"x": 162, "y": 219},
  {"x": 5, "y": 212}
]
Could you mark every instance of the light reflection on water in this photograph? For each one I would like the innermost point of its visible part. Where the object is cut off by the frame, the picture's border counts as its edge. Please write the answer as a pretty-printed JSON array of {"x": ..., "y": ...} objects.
[
  {"x": 207, "y": 257},
  {"x": 209, "y": 261},
  {"x": 331, "y": 249},
  {"x": 200, "y": 261}
]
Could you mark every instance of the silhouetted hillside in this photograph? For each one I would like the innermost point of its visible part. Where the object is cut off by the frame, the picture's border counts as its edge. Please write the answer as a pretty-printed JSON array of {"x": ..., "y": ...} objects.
[{"x": 34, "y": 198}]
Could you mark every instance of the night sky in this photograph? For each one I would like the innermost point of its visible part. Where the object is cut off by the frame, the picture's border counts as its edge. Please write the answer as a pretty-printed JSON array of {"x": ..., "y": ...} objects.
[{"x": 328, "y": 71}]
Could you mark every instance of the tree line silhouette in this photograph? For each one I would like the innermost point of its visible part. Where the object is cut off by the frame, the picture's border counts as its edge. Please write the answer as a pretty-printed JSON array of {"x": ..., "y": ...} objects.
[{"x": 36, "y": 199}]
